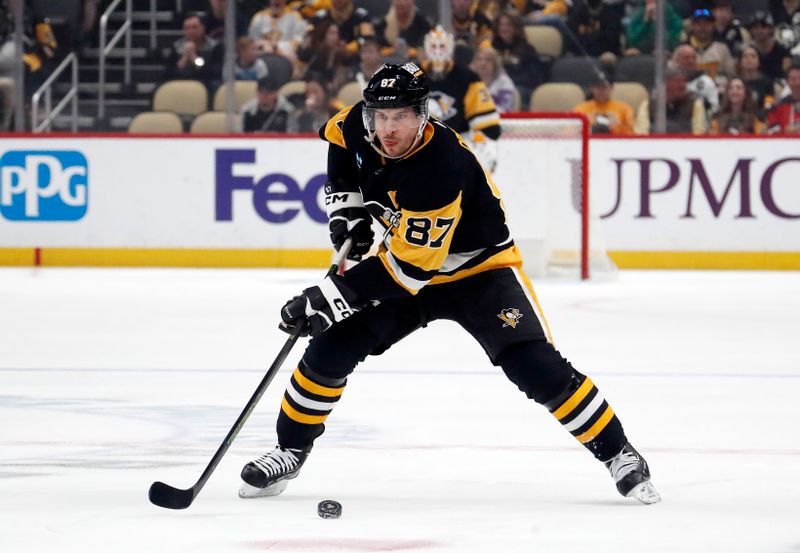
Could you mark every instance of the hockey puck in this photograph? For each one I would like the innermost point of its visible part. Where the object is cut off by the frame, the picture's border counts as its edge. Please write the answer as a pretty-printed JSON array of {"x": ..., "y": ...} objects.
[{"x": 329, "y": 509}]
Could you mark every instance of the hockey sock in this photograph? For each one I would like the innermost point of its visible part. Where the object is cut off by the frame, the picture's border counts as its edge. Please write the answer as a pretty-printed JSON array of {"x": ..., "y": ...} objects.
[
  {"x": 585, "y": 414},
  {"x": 307, "y": 402}
]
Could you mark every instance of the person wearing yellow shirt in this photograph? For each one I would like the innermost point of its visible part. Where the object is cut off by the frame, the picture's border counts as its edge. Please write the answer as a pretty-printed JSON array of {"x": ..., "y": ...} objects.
[{"x": 606, "y": 116}]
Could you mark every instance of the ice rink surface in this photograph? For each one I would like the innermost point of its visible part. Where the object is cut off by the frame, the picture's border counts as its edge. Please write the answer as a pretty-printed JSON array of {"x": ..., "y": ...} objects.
[{"x": 111, "y": 379}]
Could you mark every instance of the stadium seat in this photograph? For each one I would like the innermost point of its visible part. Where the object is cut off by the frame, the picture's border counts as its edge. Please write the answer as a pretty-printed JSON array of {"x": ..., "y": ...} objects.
[
  {"x": 350, "y": 93},
  {"x": 517, "y": 101},
  {"x": 156, "y": 122},
  {"x": 547, "y": 40},
  {"x": 640, "y": 69},
  {"x": 279, "y": 67},
  {"x": 291, "y": 88},
  {"x": 181, "y": 97},
  {"x": 213, "y": 122},
  {"x": 556, "y": 97},
  {"x": 579, "y": 70},
  {"x": 632, "y": 94},
  {"x": 243, "y": 92}
]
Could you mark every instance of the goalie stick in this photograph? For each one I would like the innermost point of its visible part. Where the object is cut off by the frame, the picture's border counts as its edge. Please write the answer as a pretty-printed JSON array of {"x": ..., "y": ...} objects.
[{"x": 166, "y": 496}]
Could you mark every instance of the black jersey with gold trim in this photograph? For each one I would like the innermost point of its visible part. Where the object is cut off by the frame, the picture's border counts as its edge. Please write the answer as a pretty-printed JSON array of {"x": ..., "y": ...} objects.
[
  {"x": 442, "y": 216},
  {"x": 461, "y": 99}
]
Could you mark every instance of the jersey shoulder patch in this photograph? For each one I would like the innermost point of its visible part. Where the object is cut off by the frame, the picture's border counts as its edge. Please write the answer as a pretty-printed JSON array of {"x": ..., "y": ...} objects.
[{"x": 333, "y": 131}]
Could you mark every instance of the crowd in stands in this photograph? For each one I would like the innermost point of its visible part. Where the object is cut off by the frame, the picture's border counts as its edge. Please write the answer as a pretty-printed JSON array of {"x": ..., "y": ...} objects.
[{"x": 726, "y": 72}]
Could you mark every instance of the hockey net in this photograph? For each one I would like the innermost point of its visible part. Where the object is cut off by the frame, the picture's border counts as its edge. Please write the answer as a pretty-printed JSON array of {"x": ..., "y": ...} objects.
[{"x": 542, "y": 172}]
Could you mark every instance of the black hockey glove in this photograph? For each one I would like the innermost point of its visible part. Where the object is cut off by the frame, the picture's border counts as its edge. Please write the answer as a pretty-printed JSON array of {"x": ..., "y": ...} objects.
[
  {"x": 318, "y": 307},
  {"x": 348, "y": 218}
]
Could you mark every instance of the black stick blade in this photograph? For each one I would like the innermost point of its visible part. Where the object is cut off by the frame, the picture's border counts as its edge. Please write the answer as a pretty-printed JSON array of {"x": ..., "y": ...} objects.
[{"x": 168, "y": 497}]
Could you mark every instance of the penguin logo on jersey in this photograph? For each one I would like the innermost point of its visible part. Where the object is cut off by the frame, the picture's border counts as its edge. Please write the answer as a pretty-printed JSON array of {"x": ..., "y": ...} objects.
[
  {"x": 510, "y": 317},
  {"x": 441, "y": 106}
]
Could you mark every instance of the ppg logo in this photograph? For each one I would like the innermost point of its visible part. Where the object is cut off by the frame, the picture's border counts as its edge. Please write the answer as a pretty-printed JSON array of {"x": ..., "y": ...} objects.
[{"x": 43, "y": 185}]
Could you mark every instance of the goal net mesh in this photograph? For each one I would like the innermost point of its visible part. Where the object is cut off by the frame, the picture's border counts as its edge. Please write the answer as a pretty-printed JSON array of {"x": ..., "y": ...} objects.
[{"x": 542, "y": 174}]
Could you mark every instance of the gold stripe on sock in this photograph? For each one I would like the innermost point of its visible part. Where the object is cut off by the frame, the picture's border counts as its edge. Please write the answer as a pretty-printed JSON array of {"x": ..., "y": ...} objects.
[
  {"x": 315, "y": 388},
  {"x": 297, "y": 416},
  {"x": 567, "y": 407},
  {"x": 597, "y": 427}
]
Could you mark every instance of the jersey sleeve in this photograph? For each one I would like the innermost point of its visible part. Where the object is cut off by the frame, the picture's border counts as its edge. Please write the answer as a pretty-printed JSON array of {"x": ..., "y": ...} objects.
[
  {"x": 342, "y": 168},
  {"x": 480, "y": 110}
]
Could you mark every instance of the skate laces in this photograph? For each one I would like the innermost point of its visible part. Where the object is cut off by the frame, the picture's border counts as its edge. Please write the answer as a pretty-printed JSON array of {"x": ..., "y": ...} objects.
[
  {"x": 277, "y": 461},
  {"x": 623, "y": 464}
]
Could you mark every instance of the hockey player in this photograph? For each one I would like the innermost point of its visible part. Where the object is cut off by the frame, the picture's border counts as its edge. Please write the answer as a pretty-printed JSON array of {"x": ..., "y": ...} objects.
[
  {"x": 460, "y": 98},
  {"x": 446, "y": 253}
]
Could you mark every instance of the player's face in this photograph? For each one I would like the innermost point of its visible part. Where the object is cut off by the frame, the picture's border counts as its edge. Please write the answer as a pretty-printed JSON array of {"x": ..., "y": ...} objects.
[{"x": 397, "y": 129}]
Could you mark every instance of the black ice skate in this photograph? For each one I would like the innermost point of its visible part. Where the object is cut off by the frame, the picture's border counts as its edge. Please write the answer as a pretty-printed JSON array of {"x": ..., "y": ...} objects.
[
  {"x": 632, "y": 475},
  {"x": 270, "y": 474}
]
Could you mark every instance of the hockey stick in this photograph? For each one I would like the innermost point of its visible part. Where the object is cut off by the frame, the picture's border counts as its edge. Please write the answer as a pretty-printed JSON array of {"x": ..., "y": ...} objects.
[{"x": 168, "y": 497}]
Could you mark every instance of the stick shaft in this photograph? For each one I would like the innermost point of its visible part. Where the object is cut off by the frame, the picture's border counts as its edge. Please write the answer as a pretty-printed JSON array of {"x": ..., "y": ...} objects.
[{"x": 254, "y": 399}]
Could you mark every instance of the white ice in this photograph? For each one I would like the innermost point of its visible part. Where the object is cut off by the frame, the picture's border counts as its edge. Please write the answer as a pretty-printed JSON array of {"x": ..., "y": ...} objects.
[{"x": 111, "y": 379}]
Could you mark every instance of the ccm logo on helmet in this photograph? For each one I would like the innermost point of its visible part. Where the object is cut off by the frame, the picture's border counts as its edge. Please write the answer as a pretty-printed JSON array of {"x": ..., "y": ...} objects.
[{"x": 382, "y": 98}]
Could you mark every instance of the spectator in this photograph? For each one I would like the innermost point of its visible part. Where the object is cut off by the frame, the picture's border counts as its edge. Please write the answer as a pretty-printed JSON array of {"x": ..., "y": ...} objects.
[
  {"x": 268, "y": 111},
  {"x": 548, "y": 12},
  {"x": 489, "y": 67},
  {"x": 606, "y": 116},
  {"x": 727, "y": 29},
  {"x": 597, "y": 27},
  {"x": 738, "y": 112},
  {"x": 471, "y": 26},
  {"x": 370, "y": 59},
  {"x": 403, "y": 22},
  {"x": 761, "y": 87},
  {"x": 640, "y": 31},
  {"x": 278, "y": 30},
  {"x": 685, "y": 112},
  {"x": 712, "y": 55},
  {"x": 326, "y": 53},
  {"x": 317, "y": 108},
  {"x": 786, "y": 15},
  {"x": 698, "y": 82},
  {"x": 784, "y": 117},
  {"x": 40, "y": 48},
  {"x": 520, "y": 59},
  {"x": 214, "y": 20},
  {"x": 775, "y": 59},
  {"x": 248, "y": 66},
  {"x": 352, "y": 22},
  {"x": 195, "y": 56}
]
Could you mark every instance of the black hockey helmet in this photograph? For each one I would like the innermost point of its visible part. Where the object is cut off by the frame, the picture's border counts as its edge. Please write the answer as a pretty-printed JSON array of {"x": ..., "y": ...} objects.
[{"x": 396, "y": 86}]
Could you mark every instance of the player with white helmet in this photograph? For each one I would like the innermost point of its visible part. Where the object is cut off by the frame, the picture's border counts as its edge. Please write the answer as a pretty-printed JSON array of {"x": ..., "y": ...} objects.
[{"x": 460, "y": 98}]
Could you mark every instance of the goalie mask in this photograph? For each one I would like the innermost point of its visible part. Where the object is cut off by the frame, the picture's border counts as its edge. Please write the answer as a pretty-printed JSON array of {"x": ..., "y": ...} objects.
[
  {"x": 439, "y": 46},
  {"x": 396, "y": 86}
]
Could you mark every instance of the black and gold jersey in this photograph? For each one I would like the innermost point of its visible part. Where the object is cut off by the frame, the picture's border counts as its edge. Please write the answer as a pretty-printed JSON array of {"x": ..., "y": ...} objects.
[
  {"x": 442, "y": 215},
  {"x": 462, "y": 100}
]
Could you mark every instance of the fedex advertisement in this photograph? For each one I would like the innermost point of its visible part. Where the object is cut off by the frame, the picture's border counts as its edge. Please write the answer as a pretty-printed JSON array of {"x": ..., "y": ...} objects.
[{"x": 162, "y": 193}]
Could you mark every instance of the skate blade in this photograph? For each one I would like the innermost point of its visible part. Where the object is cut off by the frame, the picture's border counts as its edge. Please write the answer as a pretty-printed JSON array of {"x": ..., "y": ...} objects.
[
  {"x": 645, "y": 493},
  {"x": 249, "y": 492}
]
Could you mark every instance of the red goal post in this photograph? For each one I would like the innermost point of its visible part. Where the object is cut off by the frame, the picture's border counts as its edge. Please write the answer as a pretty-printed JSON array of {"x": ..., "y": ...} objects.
[{"x": 543, "y": 173}]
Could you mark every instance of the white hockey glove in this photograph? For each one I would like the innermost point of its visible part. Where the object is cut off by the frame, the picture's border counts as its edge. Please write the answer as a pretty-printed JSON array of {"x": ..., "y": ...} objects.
[
  {"x": 484, "y": 148},
  {"x": 348, "y": 218},
  {"x": 319, "y": 307}
]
